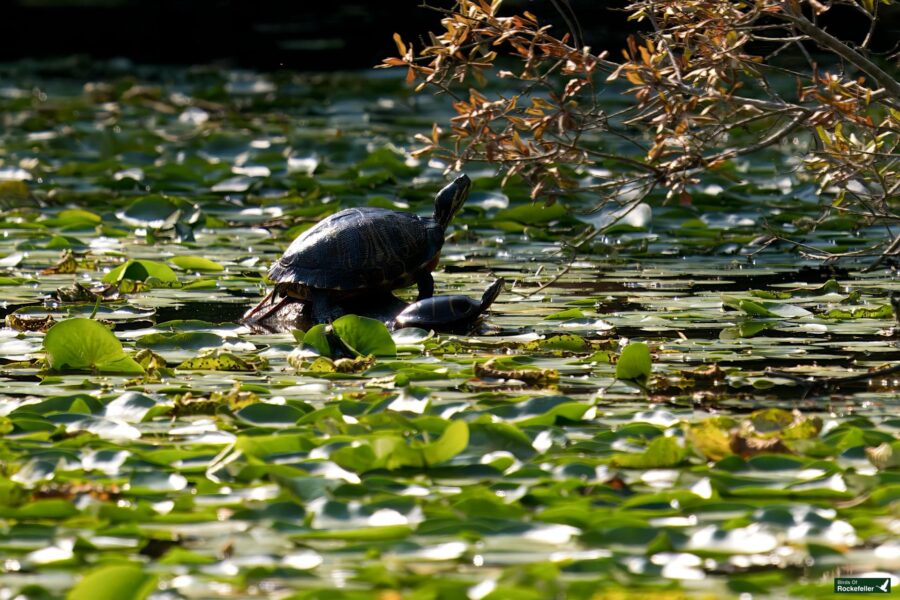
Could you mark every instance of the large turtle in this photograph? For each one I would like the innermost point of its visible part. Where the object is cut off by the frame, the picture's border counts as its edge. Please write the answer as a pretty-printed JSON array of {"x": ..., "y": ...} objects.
[{"x": 361, "y": 251}]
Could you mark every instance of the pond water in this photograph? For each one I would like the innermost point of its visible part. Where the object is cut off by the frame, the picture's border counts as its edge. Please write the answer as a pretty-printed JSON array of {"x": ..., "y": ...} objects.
[{"x": 758, "y": 458}]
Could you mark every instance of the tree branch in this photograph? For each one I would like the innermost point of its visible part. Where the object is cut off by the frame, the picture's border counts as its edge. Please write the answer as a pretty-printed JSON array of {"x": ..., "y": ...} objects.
[{"x": 828, "y": 41}]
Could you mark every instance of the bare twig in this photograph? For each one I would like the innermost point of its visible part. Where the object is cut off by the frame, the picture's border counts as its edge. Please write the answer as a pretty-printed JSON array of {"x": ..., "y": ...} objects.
[{"x": 893, "y": 249}]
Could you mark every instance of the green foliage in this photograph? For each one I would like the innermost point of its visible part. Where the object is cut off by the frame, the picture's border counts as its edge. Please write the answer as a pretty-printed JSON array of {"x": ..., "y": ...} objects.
[
  {"x": 662, "y": 452},
  {"x": 364, "y": 336},
  {"x": 392, "y": 452},
  {"x": 86, "y": 345},
  {"x": 196, "y": 263},
  {"x": 765, "y": 309},
  {"x": 569, "y": 313},
  {"x": 884, "y": 311},
  {"x": 141, "y": 270},
  {"x": 114, "y": 582},
  {"x": 634, "y": 363},
  {"x": 316, "y": 338},
  {"x": 559, "y": 343}
]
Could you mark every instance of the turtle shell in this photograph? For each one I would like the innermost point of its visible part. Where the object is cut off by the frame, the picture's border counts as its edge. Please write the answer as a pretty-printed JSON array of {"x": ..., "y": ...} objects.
[
  {"x": 448, "y": 312},
  {"x": 440, "y": 311},
  {"x": 361, "y": 248}
]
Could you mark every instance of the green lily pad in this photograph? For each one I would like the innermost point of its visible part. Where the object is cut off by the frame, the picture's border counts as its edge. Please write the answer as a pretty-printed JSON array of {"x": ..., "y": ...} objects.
[
  {"x": 141, "y": 270},
  {"x": 316, "y": 338},
  {"x": 364, "y": 335},
  {"x": 216, "y": 361},
  {"x": 565, "y": 315},
  {"x": 885, "y": 311},
  {"x": 86, "y": 345},
  {"x": 263, "y": 414},
  {"x": 453, "y": 440},
  {"x": 634, "y": 363},
  {"x": 196, "y": 263},
  {"x": 114, "y": 582},
  {"x": 766, "y": 309},
  {"x": 662, "y": 452}
]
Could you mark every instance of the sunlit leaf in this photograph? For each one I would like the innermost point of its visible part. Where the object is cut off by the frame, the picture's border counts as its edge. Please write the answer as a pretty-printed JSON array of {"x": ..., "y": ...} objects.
[
  {"x": 634, "y": 363},
  {"x": 114, "y": 582},
  {"x": 86, "y": 345},
  {"x": 364, "y": 335},
  {"x": 141, "y": 270},
  {"x": 663, "y": 451},
  {"x": 196, "y": 263},
  {"x": 316, "y": 338},
  {"x": 453, "y": 441}
]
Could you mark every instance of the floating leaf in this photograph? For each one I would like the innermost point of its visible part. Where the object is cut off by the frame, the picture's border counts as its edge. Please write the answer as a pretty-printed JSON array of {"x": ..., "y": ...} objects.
[
  {"x": 885, "y": 311},
  {"x": 453, "y": 441},
  {"x": 86, "y": 345},
  {"x": 263, "y": 414},
  {"x": 316, "y": 338},
  {"x": 504, "y": 369},
  {"x": 711, "y": 437},
  {"x": 829, "y": 287},
  {"x": 154, "y": 212},
  {"x": 141, "y": 270},
  {"x": 364, "y": 335},
  {"x": 770, "y": 310},
  {"x": 634, "y": 363},
  {"x": 77, "y": 217},
  {"x": 217, "y": 361},
  {"x": 559, "y": 343},
  {"x": 662, "y": 452},
  {"x": 196, "y": 263},
  {"x": 565, "y": 315},
  {"x": 189, "y": 340},
  {"x": 114, "y": 582},
  {"x": 770, "y": 419}
]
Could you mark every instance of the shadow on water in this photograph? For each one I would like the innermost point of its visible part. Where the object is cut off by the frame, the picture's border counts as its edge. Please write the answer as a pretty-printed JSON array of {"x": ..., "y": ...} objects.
[{"x": 214, "y": 312}]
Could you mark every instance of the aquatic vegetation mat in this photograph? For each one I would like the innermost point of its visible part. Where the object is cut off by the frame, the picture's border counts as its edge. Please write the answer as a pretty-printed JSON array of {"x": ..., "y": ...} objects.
[{"x": 673, "y": 411}]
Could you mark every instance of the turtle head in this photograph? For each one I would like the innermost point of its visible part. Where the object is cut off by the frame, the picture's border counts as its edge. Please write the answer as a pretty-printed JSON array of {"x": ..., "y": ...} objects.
[
  {"x": 450, "y": 199},
  {"x": 491, "y": 293}
]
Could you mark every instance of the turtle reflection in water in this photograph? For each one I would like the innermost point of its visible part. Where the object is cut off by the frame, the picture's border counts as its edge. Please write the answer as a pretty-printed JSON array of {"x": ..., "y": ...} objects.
[
  {"x": 452, "y": 313},
  {"x": 360, "y": 253}
]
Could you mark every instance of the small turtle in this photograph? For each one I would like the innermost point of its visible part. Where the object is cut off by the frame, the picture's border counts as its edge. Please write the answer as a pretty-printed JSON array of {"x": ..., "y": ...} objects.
[
  {"x": 359, "y": 251},
  {"x": 448, "y": 312}
]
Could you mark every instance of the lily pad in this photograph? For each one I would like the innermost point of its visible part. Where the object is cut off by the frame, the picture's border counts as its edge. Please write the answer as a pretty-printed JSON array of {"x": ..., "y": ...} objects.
[
  {"x": 634, "y": 363},
  {"x": 114, "y": 582},
  {"x": 141, "y": 270},
  {"x": 86, "y": 345},
  {"x": 196, "y": 263},
  {"x": 364, "y": 335}
]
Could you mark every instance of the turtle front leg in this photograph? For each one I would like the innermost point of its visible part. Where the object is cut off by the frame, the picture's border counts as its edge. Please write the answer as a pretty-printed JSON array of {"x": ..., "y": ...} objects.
[
  {"x": 426, "y": 284},
  {"x": 321, "y": 308},
  {"x": 270, "y": 298},
  {"x": 274, "y": 310}
]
